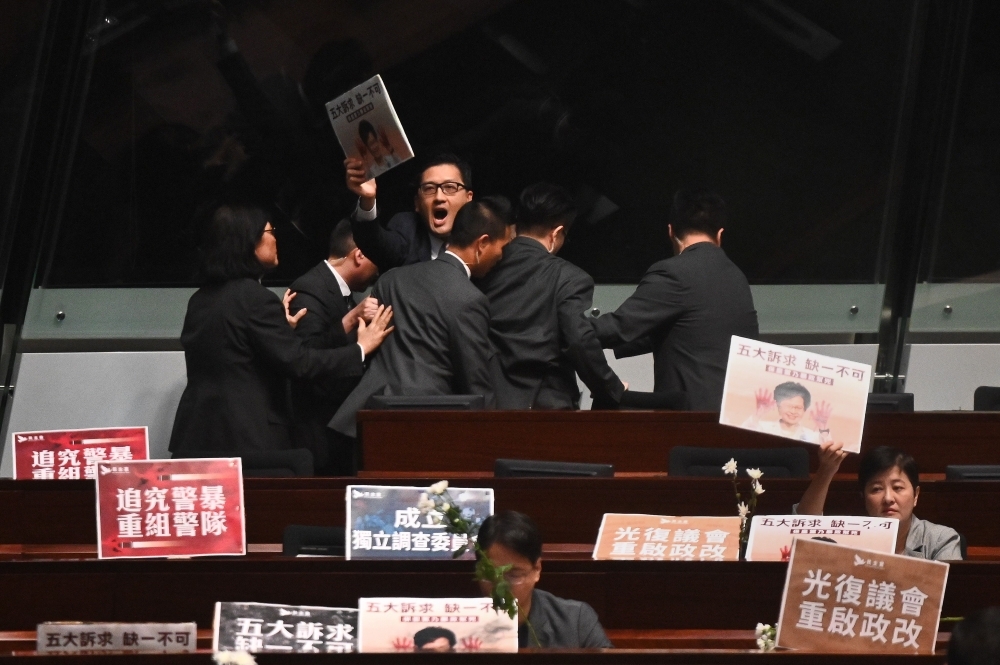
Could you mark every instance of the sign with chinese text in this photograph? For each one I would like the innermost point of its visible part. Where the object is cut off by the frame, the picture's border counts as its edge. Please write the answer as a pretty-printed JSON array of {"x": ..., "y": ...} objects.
[
  {"x": 795, "y": 394},
  {"x": 384, "y": 522},
  {"x": 663, "y": 538},
  {"x": 76, "y": 637},
  {"x": 185, "y": 507},
  {"x": 368, "y": 128},
  {"x": 771, "y": 536},
  {"x": 841, "y": 599},
  {"x": 75, "y": 454},
  {"x": 433, "y": 624},
  {"x": 265, "y": 628}
]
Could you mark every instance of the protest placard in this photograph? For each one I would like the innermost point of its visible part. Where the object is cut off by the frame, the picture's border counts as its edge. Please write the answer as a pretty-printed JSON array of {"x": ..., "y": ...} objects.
[
  {"x": 75, "y": 454},
  {"x": 268, "y": 628},
  {"x": 795, "y": 394},
  {"x": 384, "y": 522},
  {"x": 86, "y": 637},
  {"x": 184, "y": 507},
  {"x": 433, "y": 624},
  {"x": 626, "y": 537},
  {"x": 368, "y": 128},
  {"x": 771, "y": 536},
  {"x": 840, "y": 599}
]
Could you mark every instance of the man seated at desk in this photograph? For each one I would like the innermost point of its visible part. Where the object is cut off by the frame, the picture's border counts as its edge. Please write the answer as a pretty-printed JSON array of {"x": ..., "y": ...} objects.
[{"x": 544, "y": 620}]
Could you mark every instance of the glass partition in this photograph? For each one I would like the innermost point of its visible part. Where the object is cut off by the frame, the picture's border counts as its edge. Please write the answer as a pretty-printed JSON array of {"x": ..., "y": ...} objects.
[{"x": 958, "y": 287}]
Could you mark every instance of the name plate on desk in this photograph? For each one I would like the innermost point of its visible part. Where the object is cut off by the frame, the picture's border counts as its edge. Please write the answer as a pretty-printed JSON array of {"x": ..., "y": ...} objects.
[
  {"x": 170, "y": 508},
  {"x": 433, "y": 624},
  {"x": 843, "y": 600},
  {"x": 384, "y": 522},
  {"x": 626, "y": 537},
  {"x": 771, "y": 536},
  {"x": 78, "y": 637},
  {"x": 795, "y": 394},
  {"x": 266, "y": 628},
  {"x": 75, "y": 454}
]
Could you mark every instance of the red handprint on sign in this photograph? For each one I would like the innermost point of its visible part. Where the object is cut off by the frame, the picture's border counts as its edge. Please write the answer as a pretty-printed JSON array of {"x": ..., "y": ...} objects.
[{"x": 471, "y": 644}]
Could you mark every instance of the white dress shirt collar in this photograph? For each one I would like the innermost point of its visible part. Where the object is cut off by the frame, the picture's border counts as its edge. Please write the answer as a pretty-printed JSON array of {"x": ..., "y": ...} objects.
[
  {"x": 345, "y": 290},
  {"x": 467, "y": 271}
]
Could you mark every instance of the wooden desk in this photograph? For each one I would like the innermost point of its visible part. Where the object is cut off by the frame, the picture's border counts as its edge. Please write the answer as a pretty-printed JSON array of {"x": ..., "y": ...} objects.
[
  {"x": 632, "y": 595},
  {"x": 525, "y": 657},
  {"x": 640, "y": 440},
  {"x": 568, "y": 510}
]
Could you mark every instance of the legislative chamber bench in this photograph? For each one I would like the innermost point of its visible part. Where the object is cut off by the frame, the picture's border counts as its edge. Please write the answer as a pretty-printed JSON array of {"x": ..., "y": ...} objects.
[
  {"x": 568, "y": 510},
  {"x": 640, "y": 440}
]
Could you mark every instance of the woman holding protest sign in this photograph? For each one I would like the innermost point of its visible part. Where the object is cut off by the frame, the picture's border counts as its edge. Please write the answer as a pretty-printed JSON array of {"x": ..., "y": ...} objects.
[{"x": 890, "y": 486}]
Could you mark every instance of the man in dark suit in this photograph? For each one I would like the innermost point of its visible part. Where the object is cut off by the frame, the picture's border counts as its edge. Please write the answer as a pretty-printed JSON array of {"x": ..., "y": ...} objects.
[
  {"x": 686, "y": 308},
  {"x": 410, "y": 237},
  {"x": 331, "y": 321},
  {"x": 537, "y": 307},
  {"x": 441, "y": 342}
]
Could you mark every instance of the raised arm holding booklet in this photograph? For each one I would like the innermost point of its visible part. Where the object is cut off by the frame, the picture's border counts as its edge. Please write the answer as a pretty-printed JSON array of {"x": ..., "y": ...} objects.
[{"x": 367, "y": 127}]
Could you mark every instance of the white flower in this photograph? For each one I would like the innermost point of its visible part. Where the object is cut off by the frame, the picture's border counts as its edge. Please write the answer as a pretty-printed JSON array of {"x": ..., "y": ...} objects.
[
  {"x": 755, "y": 473},
  {"x": 438, "y": 487},
  {"x": 425, "y": 504},
  {"x": 761, "y": 643},
  {"x": 445, "y": 507},
  {"x": 234, "y": 658},
  {"x": 758, "y": 488},
  {"x": 730, "y": 467},
  {"x": 743, "y": 509},
  {"x": 763, "y": 629}
]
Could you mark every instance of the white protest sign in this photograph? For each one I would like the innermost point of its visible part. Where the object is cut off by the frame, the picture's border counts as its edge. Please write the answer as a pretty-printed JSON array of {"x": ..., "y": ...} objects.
[
  {"x": 81, "y": 637},
  {"x": 771, "y": 536},
  {"x": 433, "y": 624},
  {"x": 384, "y": 522},
  {"x": 795, "y": 394}
]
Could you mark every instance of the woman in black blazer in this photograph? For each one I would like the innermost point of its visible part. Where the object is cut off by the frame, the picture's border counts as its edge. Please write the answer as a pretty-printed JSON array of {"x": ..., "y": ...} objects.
[{"x": 239, "y": 347}]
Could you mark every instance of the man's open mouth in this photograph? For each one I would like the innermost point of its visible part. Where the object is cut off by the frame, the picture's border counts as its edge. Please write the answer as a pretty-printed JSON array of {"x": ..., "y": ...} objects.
[{"x": 439, "y": 213}]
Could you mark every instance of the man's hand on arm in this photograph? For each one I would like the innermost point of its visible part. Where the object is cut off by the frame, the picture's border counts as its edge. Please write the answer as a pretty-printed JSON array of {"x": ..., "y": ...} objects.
[{"x": 366, "y": 311}]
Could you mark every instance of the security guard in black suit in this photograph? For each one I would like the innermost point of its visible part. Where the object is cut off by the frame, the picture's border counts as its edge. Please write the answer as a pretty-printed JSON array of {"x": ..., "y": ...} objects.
[{"x": 686, "y": 308}]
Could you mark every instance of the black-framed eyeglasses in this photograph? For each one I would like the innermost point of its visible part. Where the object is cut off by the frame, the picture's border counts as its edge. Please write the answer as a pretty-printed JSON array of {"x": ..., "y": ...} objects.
[{"x": 449, "y": 188}]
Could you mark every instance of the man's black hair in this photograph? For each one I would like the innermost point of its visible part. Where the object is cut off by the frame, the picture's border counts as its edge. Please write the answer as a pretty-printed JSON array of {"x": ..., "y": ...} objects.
[
  {"x": 230, "y": 247},
  {"x": 543, "y": 207},
  {"x": 447, "y": 158},
  {"x": 431, "y": 633},
  {"x": 342, "y": 239},
  {"x": 879, "y": 460},
  {"x": 976, "y": 639},
  {"x": 366, "y": 129},
  {"x": 789, "y": 389},
  {"x": 486, "y": 216},
  {"x": 697, "y": 211},
  {"x": 515, "y": 531}
]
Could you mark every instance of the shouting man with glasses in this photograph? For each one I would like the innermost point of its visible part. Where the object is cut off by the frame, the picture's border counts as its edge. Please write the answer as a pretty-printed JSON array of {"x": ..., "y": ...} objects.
[{"x": 410, "y": 237}]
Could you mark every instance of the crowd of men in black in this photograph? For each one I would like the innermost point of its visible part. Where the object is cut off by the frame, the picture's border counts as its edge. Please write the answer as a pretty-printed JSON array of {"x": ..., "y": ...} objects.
[{"x": 470, "y": 299}]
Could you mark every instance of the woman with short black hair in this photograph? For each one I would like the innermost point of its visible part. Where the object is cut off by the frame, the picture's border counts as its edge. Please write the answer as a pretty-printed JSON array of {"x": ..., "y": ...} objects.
[
  {"x": 890, "y": 485},
  {"x": 239, "y": 347}
]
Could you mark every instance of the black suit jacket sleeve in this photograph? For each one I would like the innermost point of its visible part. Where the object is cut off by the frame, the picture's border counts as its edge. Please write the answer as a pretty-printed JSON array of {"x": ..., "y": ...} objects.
[
  {"x": 657, "y": 303},
  {"x": 319, "y": 328},
  {"x": 575, "y": 296},
  {"x": 471, "y": 352},
  {"x": 386, "y": 246},
  {"x": 274, "y": 340}
]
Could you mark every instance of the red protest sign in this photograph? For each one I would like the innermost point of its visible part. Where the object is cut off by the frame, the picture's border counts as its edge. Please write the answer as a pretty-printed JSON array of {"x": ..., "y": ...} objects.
[
  {"x": 75, "y": 454},
  {"x": 190, "y": 507}
]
